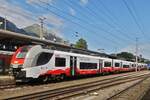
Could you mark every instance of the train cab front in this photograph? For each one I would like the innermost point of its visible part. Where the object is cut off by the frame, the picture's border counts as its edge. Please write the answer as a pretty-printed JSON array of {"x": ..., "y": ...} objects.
[{"x": 17, "y": 63}]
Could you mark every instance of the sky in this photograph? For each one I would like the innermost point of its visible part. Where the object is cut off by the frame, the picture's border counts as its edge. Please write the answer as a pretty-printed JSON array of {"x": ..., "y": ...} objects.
[{"x": 112, "y": 25}]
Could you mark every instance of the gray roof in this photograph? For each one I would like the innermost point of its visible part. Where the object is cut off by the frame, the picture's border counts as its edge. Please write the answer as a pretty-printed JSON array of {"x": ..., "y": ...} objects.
[{"x": 25, "y": 40}]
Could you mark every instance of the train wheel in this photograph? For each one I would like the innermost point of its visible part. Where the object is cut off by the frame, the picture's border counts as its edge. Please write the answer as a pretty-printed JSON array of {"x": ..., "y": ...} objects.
[
  {"x": 62, "y": 77},
  {"x": 45, "y": 79},
  {"x": 103, "y": 73}
]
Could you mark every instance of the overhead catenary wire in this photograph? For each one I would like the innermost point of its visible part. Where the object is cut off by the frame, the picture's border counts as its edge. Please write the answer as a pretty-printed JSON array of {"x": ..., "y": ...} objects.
[
  {"x": 137, "y": 16},
  {"x": 103, "y": 30},
  {"x": 110, "y": 33},
  {"x": 134, "y": 17},
  {"x": 75, "y": 22},
  {"x": 136, "y": 22},
  {"x": 79, "y": 25},
  {"x": 114, "y": 19},
  {"x": 134, "y": 9},
  {"x": 91, "y": 11},
  {"x": 115, "y": 36},
  {"x": 71, "y": 4}
]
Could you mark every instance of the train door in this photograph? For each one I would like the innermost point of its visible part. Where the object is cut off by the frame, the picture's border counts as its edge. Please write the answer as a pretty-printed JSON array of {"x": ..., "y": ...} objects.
[
  {"x": 100, "y": 65},
  {"x": 113, "y": 64},
  {"x": 73, "y": 65},
  {"x": 121, "y": 65}
]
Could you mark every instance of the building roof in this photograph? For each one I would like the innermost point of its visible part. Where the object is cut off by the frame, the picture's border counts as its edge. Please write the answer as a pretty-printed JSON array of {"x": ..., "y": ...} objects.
[
  {"x": 6, "y": 52},
  {"x": 13, "y": 38}
]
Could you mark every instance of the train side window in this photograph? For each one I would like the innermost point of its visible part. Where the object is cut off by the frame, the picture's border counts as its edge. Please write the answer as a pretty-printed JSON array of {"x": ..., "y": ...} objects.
[
  {"x": 23, "y": 51},
  {"x": 117, "y": 64},
  {"x": 60, "y": 62},
  {"x": 43, "y": 58},
  {"x": 84, "y": 65},
  {"x": 107, "y": 64},
  {"x": 125, "y": 66}
]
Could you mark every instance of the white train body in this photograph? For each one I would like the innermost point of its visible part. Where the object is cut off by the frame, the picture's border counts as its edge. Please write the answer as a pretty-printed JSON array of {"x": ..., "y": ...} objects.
[{"x": 32, "y": 62}]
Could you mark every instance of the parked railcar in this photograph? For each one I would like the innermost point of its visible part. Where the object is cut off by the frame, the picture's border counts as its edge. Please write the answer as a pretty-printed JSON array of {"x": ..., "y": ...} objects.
[
  {"x": 117, "y": 64},
  {"x": 36, "y": 62},
  {"x": 5, "y": 59}
]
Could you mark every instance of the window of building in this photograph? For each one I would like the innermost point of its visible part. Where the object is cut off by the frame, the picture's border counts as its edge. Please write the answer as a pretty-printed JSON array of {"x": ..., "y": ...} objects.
[
  {"x": 107, "y": 64},
  {"x": 84, "y": 65},
  {"x": 60, "y": 62},
  {"x": 43, "y": 58},
  {"x": 117, "y": 64}
]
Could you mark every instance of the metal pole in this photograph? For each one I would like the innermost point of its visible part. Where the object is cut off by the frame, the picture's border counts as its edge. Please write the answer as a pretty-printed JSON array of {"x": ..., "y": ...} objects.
[
  {"x": 41, "y": 27},
  {"x": 136, "y": 54},
  {"x": 5, "y": 23}
]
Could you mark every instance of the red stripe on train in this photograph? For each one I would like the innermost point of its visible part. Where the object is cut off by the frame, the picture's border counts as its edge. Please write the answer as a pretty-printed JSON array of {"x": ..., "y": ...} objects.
[{"x": 67, "y": 71}]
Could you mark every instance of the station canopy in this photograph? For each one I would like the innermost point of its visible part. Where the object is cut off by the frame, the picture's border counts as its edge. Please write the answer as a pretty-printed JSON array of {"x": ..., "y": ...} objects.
[{"x": 10, "y": 41}]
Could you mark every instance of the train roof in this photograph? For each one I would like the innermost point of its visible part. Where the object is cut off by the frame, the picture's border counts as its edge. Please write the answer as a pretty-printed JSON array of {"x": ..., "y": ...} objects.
[
  {"x": 79, "y": 55},
  {"x": 84, "y": 55},
  {"x": 117, "y": 60}
]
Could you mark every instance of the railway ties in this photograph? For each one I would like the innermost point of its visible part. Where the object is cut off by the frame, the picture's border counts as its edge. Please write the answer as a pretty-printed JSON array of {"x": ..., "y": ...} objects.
[
  {"x": 67, "y": 92},
  {"x": 7, "y": 86},
  {"x": 15, "y": 85},
  {"x": 126, "y": 93}
]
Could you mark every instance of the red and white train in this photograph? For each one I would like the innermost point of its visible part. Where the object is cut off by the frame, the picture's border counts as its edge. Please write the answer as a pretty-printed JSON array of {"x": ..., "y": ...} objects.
[{"x": 36, "y": 62}]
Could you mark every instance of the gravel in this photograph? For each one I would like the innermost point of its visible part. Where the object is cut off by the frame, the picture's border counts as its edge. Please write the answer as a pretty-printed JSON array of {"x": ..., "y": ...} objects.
[
  {"x": 32, "y": 89},
  {"x": 136, "y": 92},
  {"x": 104, "y": 93}
]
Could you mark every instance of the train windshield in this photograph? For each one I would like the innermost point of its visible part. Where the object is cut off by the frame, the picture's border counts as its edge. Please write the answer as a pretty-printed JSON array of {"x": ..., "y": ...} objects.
[{"x": 22, "y": 53}]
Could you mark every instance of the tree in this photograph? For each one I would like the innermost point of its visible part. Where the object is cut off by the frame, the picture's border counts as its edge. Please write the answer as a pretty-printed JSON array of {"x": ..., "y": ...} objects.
[
  {"x": 81, "y": 44},
  {"x": 146, "y": 61},
  {"x": 126, "y": 55}
]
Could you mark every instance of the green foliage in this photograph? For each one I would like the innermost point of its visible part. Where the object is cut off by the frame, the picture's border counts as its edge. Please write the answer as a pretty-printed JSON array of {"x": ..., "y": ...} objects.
[
  {"x": 142, "y": 60},
  {"x": 126, "y": 55},
  {"x": 146, "y": 61},
  {"x": 81, "y": 44},
  {"x": 130, "y": 57}
]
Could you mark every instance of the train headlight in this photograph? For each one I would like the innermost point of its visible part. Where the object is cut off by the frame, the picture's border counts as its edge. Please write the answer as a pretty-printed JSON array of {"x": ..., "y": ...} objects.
[{"x": 16, "y": 62}]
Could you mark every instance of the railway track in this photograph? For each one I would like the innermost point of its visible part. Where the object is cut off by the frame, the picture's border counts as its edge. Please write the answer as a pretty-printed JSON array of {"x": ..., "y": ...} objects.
[
  {"x": 67, "y": 92},
  {"x": 126, "y": 89},
  {"x": 7, "y": 86},
  {"x": 14, "y": 85}
]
